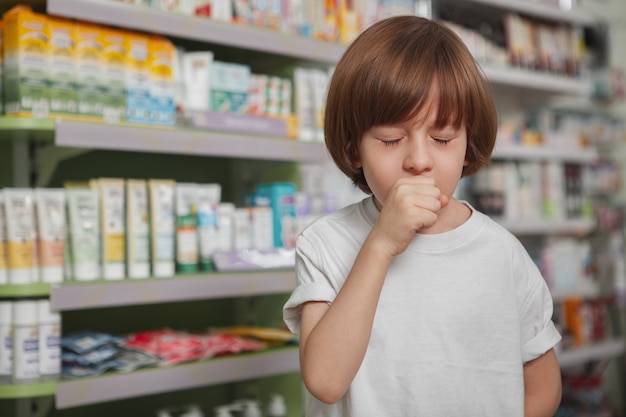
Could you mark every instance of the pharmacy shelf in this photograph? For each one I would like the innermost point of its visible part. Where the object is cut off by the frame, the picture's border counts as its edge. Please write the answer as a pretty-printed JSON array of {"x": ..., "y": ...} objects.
[
  {"x": 546, "y": 227},
  {"x": 112, "y": 387},
  {"x": 10, "y": 124},
  {"x": 27, "y": 390},
  {"x": 24, "y": 290},
  {"x": 544, "y": 153},
  {"x": 574, "y": 16},
  {"x": 82, "y": 295},
  {"x": 20, "y": 128},
  {"x": 600, "y": 351},
  {"x": 185, "y": 142},
  {"x": 270, "y": 41},
  {"x": 127, "y": 137},
  {"x": 202, "y": 29},
  {"x": 536, "y": 80}
]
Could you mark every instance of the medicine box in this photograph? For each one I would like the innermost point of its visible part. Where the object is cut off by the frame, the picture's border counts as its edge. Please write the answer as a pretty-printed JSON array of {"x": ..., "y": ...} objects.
[
  {"x": 25, "y": 62},
  {"x": 162, "y": 82},
  {"x": 229, "y": 87},
  {"x": 61, "y": 66},
  {"x": 89, "y": 69},
  {"x": 282, "y": 201},
  {"x": 138, "y": 105},
  {"x": 114, "y": 75}
]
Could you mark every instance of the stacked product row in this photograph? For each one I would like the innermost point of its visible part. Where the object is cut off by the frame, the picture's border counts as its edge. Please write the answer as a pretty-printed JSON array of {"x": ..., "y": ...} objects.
[
  {"x": 61, "y": 67},
  {"x": 582, "y": 321},
  {"x": 516, "y": 40},
  {"x": 328, "y": 20},
  {"x": 114, "y": 228},
  {"x": 533, "y": 190},
  {"x": 530, "y": 43},
  {"x": 30, "y": 335},
  {"x": 92, "y": 353},
  {"x": 55, "y": 66}
]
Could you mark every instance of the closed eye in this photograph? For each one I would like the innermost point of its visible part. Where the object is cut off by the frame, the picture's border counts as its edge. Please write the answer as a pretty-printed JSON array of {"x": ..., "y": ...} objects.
[
  {"x": 442, "y": 141},
  {"x": 390, "y": 142}
]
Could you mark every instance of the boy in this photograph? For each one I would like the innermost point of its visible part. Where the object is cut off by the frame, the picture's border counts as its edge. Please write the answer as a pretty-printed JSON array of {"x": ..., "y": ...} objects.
[{"x": 410, "y": 302}]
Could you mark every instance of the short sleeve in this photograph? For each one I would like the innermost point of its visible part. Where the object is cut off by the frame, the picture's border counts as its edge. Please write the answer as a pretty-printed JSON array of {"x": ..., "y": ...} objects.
[
  {"x": 538, "y": 333},
  {"x": 313, "y": 285}
]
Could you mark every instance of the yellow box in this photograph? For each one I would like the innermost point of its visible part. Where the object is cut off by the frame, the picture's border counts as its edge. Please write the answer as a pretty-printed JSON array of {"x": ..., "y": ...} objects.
[
  {"x": 162, "y": 82},
  {"x": 89, "y": 69},
  {"x": 114, "y": 76},
  {"x": 61, "y": 66},
  {"x": 137, "y": 77},
  {"x": 26, "y": 62},
  {"x": 1, "y": 70}
]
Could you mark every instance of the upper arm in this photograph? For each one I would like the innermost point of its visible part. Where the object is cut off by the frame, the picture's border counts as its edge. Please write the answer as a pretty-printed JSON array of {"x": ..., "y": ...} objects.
[{"x": 542, "y": 385}]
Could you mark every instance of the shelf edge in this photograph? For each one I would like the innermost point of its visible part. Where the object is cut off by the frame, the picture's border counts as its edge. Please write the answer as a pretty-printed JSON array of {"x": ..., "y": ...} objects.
[
  {"x": 163, "y": 290},
  {"x": 112, "y": 387},
  {"x": 523, "y": 227},
  {"x": 574, "y": 16},
  {"x": 37, "y": 389},
  {"x": 597, "y": 351},
  {"x": 184, "y": 142}
]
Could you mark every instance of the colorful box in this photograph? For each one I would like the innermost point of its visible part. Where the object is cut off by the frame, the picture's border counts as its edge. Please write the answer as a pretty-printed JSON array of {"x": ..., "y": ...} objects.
[
  {"x": 229, "y": 87},
  {"x": 89, "y": 69},
  {"x": 162, "y": 82},
  {"x": 1, "y": 67},
  {"x": 61, "y": 66},
  {"x": 114, "y": 75},
  {"x": 138, "y": 104},
  {"x": 282, "y": 201},
  {"x": 26, "y": 63}
]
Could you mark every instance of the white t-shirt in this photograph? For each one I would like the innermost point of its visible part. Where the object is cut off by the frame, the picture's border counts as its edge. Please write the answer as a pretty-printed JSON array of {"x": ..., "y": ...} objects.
[{"x": 459, "y": 314}]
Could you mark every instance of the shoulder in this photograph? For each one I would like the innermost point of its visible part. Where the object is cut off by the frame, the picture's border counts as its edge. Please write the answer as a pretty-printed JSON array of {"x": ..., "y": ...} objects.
[
  {"x": 337, "y": 235},
  {"x": 357, "y": 215},
  {"x": 495, "y": 236}
]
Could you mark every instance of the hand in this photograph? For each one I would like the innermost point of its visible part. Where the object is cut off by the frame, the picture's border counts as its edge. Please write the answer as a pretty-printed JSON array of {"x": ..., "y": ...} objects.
[{"x": 412, "y": 204}]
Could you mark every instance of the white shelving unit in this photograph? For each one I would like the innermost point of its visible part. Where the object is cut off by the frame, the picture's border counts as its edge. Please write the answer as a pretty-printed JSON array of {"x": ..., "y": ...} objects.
[
  {"x": 538, "y": 81},
  {"x": 600, "y": 351},
  {"x": 185, "y": 142},
  {"x": 542, "y": 11},
  {"x": 534, "y": 227},
  {"x": 545, "y": 153},
  {"x": 84, "y": 295}
]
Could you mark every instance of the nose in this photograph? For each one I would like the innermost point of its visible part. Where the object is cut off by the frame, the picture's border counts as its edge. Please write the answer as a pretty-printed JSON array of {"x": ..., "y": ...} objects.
[{"x": 418, "y": 158}]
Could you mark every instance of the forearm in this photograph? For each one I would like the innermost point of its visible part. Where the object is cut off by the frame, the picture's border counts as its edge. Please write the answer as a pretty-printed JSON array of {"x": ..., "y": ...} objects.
[
  {"x": 542, "y": 405},
  {"x": 334, "y": 349},
  {"x": 542, "y": 386}
]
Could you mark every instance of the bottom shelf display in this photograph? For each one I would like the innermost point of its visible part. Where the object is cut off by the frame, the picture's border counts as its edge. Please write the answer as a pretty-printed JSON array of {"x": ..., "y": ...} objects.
[
  {"x": 117, "y": 386},
  {"x": 149, "y": 381}
]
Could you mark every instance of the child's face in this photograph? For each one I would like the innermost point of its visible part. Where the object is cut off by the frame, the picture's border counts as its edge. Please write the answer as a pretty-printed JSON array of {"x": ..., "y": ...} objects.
[{"x": 390, "y": 152}]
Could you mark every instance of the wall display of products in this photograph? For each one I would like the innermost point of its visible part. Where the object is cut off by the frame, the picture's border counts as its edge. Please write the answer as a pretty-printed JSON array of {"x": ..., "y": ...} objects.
[
  {"x": 105, "y": 74},
  {"x": 291, "y": 51}
]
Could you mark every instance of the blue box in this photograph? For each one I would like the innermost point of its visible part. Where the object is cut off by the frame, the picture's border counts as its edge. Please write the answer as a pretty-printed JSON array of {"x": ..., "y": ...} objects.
[{"x": 282, "y": 200}]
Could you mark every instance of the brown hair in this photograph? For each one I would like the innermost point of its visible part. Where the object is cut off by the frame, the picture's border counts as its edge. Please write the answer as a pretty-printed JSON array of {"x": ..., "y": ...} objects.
[{"x": 389, "y": 73}]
